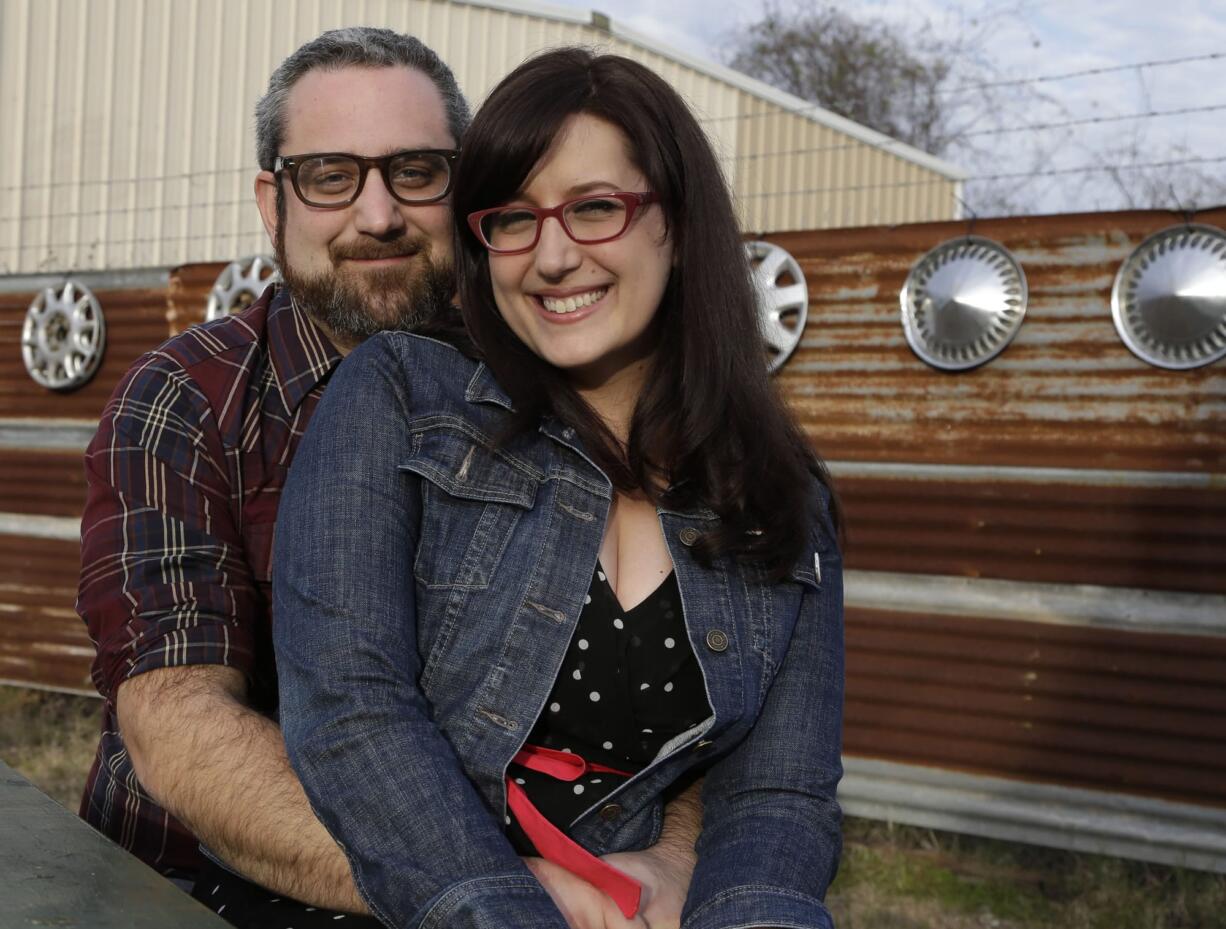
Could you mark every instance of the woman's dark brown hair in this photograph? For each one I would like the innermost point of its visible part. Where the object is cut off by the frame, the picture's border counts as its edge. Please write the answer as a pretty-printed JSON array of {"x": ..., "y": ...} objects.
[{"x": 709, "y": 429}]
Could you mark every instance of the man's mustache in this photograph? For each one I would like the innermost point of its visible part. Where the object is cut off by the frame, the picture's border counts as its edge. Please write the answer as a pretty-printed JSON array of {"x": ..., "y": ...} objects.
[{"x": 372, "y": 251}]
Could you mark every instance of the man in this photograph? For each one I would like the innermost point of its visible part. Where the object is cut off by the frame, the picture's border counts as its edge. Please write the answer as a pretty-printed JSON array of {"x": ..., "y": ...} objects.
[{"x": 186, "y": 469}]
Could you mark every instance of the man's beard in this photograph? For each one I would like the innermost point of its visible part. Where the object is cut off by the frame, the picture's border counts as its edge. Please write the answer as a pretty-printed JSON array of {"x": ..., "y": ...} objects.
[{"x": 353, "y": 305}]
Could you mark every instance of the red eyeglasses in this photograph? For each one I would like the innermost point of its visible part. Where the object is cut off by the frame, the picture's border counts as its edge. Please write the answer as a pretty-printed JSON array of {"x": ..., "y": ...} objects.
[{"x": 589, "y": 220}]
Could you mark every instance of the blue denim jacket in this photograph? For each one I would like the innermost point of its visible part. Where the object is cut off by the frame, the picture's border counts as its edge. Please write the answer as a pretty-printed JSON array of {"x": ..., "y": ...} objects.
[{"x": 425, "y": 593}]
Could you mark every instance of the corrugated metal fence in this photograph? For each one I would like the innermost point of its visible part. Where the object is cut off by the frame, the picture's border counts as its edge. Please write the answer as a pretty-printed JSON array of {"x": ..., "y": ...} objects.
[{"x": 1036, "y": 592}]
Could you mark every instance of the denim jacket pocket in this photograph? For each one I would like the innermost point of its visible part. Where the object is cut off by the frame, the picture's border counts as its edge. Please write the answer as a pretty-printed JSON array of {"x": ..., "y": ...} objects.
[{"x": 472, "y": 499}]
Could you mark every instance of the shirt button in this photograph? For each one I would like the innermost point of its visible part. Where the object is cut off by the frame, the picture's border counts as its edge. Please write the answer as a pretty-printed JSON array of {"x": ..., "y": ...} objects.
[
  {"x": 717, "y": 641},
  {"x": 689, "y": 535},
  {"x": 610, "y": 812}
]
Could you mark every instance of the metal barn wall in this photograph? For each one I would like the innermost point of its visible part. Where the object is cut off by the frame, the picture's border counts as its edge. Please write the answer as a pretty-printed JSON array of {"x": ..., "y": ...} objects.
[{"x": 131, "y": 122}]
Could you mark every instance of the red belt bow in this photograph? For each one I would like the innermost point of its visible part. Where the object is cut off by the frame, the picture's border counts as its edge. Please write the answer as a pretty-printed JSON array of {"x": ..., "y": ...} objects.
[{"x": 553, "y": 844}]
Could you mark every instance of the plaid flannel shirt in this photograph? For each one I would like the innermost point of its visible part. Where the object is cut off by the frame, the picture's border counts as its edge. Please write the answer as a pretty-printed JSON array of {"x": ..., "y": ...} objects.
[{"x": 184, "y": 476}]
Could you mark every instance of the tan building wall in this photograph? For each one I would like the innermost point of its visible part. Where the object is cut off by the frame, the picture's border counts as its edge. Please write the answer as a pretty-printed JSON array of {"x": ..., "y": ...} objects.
[{"x": 128, "y": 134}]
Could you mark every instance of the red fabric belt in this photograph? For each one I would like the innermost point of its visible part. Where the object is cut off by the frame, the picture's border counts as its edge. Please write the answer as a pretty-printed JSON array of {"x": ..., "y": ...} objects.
[{"x": 553, "y": 844}]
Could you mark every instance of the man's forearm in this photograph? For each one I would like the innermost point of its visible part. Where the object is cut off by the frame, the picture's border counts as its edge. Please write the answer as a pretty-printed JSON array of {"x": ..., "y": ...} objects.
[
  {"x": 682, "y": 824},
  {"x": 221, "y": 769}
]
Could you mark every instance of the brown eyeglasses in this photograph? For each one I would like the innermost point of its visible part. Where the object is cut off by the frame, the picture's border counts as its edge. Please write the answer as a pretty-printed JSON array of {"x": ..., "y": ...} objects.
[
  {"x": 334, "y": 180},
  {"x": 589, "y": 220}
]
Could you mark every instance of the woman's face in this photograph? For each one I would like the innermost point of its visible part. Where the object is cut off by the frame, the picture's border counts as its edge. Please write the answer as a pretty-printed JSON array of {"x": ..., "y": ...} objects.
[{"x": 586, "y": 309}]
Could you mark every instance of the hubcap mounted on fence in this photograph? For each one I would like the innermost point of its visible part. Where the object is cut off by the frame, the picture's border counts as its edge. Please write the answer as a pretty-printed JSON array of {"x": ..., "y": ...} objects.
[{"x": 63, "y": 337}]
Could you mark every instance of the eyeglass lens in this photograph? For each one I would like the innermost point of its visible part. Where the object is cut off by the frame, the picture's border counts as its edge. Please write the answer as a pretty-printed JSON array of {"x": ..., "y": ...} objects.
[
  {"x": 335, "y": 178},
  {"x": 587, "y": 220}
]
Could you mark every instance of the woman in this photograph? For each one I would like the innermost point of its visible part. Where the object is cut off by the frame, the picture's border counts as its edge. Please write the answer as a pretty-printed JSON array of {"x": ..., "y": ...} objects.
[{"x": 520, "y": 601}]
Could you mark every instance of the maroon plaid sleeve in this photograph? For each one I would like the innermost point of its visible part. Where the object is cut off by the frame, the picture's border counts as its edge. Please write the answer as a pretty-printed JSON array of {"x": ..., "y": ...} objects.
[{"x": 164, "y": 577}]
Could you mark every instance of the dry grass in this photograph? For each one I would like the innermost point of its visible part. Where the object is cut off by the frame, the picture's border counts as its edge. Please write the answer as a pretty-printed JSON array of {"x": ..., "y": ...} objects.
[
  {"x": 50, "y": 738},
  {"x": 892, "y": 877}
]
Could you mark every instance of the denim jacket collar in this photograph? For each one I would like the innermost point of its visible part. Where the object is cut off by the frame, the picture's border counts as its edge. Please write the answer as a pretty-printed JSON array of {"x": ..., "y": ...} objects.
[{"x": 484, "y": 388}]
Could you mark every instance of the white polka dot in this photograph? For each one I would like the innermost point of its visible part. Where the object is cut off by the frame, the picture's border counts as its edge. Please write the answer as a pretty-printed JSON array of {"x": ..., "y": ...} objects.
[
  {"x": 554, "y": 707},
  {"x": 221, "y": 909},
  {"x": 587, "y": 599},
  {"x": 670, "y": 642},
  {"x": 607, "y": 745},
  {"x": 567, "y": 750},
  {"x": 600, "y": 574},
  {"x": 594, "y": 696},
  {"x": 519, "y": 780},
  {"x": 583, "y": 645},
  {"x": 508, "y": 819},
  {"x": 578, "y": 788},
  {"x": 648, "y": 731},
  {"x": 668, "y": 688},
  {"x": 342, "y": 916},
  {"x": 618, "y": 624},
  {"x": 215, "y": 889},
  {"x": 310, "y": 909},
  {"x": 595, "y": 780},
  {"x": 644, "y": 686},
  {"x": 577, "y": 674}
]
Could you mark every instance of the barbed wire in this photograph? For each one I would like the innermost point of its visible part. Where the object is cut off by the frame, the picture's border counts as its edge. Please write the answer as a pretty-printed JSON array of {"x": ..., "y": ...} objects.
[
  {"x": 890, "y": 143},
  {"x": 1051, "y": 172},
  {"x": 115, "y": 181},
  {"x": 1091, "y": 120},
  {"x": 810, "y": 108},
  {"x": 119, "y": 211},
  {"x": 928, "y": 182},
  {"x": 142, "y": 240},
  {"x": 1088, "y": 72}
]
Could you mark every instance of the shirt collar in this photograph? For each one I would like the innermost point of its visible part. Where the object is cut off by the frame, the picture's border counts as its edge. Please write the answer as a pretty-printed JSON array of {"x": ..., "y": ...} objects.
[{"x": 302, "y": 356}]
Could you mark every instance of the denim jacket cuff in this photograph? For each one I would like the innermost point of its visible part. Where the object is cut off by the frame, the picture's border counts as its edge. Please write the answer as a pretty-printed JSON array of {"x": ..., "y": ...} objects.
[
  {"x": 759, "y": 906},
  {"x": 499, "y": 902}
]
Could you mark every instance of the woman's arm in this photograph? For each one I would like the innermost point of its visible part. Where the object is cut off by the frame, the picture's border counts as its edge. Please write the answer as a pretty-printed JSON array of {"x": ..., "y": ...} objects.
[
  {"x": 771, "y": 832},
  {"x": 424, "y": 847}
]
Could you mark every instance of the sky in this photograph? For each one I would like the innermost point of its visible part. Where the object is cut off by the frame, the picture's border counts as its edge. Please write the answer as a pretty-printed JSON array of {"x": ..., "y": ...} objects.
[{"x": 1026, "y": 39}]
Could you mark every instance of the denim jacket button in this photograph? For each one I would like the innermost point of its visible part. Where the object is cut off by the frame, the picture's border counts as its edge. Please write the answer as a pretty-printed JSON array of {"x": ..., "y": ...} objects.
[
  {"x": 702, "y": 745},
  {"x": 689, "y": 535},
  {"x": 717, "y": 641},
  {"x": 610, "y": 812}
]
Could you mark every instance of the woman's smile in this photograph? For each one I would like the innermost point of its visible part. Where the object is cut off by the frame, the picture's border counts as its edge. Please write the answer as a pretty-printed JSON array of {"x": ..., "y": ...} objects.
[{"x": 567, "y": 306}]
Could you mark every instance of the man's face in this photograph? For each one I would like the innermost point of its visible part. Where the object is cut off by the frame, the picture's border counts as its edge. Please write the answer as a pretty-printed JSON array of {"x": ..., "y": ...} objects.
[{"x": 377, "y": 263}]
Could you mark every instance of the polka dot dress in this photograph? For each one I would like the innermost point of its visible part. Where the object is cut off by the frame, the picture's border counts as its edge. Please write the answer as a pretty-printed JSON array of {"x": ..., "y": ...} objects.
[{"x": 628, "y": 684}]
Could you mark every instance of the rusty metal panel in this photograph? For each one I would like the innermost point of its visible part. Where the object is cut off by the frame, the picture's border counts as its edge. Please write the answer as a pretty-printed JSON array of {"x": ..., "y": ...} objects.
[
  {"x": 135, "y": 323},
  {"x": 187, "y": 294},
  {"x": 1141, "y": 713},
  {"x": 42, "y": 640},
  {"x": 1165, "y": 538},
  {"x": 42, "y": 483},
  {"x": 1065, "y": 393}
]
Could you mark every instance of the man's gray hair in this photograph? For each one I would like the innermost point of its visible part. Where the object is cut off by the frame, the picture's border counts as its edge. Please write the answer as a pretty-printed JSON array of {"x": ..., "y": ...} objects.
[{"x": 354, "y": 46}]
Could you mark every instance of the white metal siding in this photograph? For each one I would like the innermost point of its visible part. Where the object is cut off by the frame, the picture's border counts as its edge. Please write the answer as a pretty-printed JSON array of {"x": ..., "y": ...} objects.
[{"x": 128, "y": 133}]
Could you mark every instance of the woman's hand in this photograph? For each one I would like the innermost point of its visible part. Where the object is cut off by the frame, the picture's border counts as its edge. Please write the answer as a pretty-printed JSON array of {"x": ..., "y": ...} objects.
[{"x": 584, "y": 906}]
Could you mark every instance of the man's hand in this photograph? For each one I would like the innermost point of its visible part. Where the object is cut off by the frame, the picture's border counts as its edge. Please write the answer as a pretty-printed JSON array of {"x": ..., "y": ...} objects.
[
  {"x": 665, "y": 877},
  {"x": 584, "y": 906},
  {"x": 221, "y": 769},
  {"x": 664, "y": 870}
]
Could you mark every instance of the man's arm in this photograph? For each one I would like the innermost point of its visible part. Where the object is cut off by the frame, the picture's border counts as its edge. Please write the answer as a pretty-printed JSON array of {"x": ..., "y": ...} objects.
[
  {"x": 221, "y": 769},
  {"x": 170, "y": 602},
  {"x": 665, "y": 868}
]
